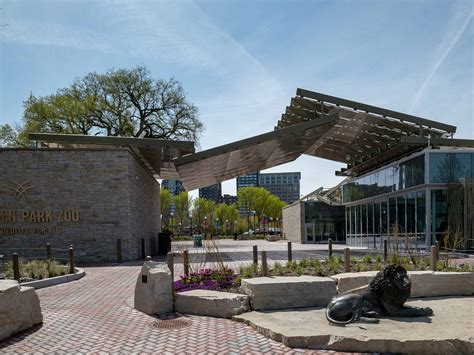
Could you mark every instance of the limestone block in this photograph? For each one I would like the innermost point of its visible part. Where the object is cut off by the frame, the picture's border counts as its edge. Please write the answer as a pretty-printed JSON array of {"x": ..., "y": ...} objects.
[
  {"x": 211, "y": 303},
  {"x": 19, "y": 308},
  {"x": 289, "y": 292},
  {"x": 352, "y": 280},
  {"x": 424, "y": 283},
  {"x": 153, "y": 290},
  {"x": 432, "y": 284}
]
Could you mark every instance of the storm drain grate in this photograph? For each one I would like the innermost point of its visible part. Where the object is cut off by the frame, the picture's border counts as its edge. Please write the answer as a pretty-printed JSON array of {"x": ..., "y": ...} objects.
[{"x": 170, "y": 324}]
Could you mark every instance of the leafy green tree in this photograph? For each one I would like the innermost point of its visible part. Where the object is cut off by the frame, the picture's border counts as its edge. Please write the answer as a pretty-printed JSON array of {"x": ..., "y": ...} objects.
[
  {"x": 181, "y": 205},
  {"x": 165, "y": 205},
  {"x": 203, "y": 212},
  {"x": 8, "y": 136},
  {"x": 246, "y": 199},
  {"x": 121, "y": 102},
  {"x": 227, "y": 214}
]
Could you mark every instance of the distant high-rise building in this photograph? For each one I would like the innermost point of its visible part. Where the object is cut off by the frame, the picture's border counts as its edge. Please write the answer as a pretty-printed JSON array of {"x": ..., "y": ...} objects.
[
  {"x": 248, "y": 180},
  {"x": 228, "y": 199},
  {"x": 286, "y": 186},
  {"x": 213, "y": 192},
  {"x": 175, "y": 187}
]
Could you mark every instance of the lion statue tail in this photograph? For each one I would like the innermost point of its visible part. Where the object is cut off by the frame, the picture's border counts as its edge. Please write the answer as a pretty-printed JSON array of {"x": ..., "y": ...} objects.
[{"x": 338, "y": 322}]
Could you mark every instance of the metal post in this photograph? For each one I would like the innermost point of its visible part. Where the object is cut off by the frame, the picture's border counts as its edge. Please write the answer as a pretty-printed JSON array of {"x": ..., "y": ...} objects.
[
  {"x": 347, "y": 260},
  {"x": 330, "y": 247},
  {"x": 170, "y": 262},
  {"x": 290, "y": 254},
  {"x": 434, "y": 260},
  {"x": 186, "y": 263},
  {"x": 255, "y": 255},
  {"x": 71, "y": 260},
  {"x": 264, "y": 264},
  {"x": 49, "y": 254},
  {"x": 437, "y": 250},
  {"x": 119, "y": 250},
  {"x": 16, "y": 267},
  {"x": 385, "y": 250}
]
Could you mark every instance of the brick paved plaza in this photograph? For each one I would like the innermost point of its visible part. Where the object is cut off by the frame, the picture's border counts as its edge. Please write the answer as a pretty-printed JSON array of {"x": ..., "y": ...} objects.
[{"x": 95, "y": 314}]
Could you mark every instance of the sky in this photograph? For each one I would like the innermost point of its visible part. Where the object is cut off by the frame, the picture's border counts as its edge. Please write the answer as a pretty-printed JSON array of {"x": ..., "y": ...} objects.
[{"x": 241, "y": 61}]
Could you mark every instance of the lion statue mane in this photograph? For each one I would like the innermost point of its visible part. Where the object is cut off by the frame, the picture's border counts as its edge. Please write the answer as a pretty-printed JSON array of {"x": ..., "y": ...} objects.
[{"x": 384, "y": 296}]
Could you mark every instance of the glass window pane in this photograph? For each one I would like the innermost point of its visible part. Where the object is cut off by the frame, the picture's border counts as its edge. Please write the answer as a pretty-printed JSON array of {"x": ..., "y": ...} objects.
[
  {"x": 353, "y": 220},
  {"x": 440, "y": 168},
  {"x": 420, "y": 212},
  {"x": 411, "y": 212},
  {"x": 392, "y": 202},
  {"x": 418, "y": 170},
  {"x": 357, "y": 219},
  {"x": 370, "y": 218},
  {"x": 460, "y": 166},
  {"x": 401, "y": 214},
  {"x": 439, "y": 210},
  {"x": 377, "y": 225},
  {"x": 364, "y": 219},
  {"x": 384, "y": 215}
]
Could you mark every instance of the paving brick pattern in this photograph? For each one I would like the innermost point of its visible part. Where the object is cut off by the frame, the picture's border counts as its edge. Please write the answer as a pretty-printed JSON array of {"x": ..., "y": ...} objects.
[{"x": 94, "y": 314}]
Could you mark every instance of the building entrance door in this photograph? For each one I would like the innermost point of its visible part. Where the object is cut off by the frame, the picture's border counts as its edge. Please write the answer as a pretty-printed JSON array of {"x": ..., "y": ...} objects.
[{"x": 309, "y": 233}]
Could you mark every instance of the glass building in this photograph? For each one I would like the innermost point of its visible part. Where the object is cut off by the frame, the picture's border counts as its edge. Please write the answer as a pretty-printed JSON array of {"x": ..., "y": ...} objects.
[
  {"x": 213, "y": 192},
  {"x": 414, "y": 200},
  {"x": 286, "y": 186}
]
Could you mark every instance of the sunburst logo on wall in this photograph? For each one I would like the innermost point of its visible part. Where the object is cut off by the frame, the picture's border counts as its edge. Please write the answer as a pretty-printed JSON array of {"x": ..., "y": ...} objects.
[{"x": 20, "y": 191}]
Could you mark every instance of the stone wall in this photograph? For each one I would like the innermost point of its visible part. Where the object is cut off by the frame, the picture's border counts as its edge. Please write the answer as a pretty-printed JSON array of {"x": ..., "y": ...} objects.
[
  {"x": 293, "y": 222},
  {"x": 85, "y": 197}
]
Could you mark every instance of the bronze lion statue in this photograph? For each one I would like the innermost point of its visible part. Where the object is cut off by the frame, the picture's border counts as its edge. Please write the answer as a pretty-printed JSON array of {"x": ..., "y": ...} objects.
[{"x": 385, "y": 296}]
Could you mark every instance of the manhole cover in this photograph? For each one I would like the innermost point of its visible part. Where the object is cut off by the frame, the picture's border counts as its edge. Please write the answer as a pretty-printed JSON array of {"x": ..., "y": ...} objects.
[{"x": 171, "y": 324}]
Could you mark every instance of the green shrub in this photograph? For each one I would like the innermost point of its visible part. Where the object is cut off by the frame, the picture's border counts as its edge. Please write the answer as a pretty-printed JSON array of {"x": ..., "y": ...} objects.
[
  {"x": 367, "y": 259},
  {"x": 378, "y": 259}
]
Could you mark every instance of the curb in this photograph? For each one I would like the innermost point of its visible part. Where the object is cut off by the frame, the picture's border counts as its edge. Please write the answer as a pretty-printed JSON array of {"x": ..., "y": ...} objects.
[{"x": 55, "y": 280}]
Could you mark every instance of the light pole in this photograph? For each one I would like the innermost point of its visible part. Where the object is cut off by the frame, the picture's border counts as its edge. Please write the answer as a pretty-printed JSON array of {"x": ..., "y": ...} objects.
[
  {"x": 217, "y": 225},
  {"x": 205, "y": 225},
  {"x": 271, "y": 221},
  {"x": 191, "y": 224}
]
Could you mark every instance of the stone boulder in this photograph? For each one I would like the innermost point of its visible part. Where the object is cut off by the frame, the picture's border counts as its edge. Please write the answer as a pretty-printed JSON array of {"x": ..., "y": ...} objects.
[
  {"x": 211, "y": 303},
  {"x": 19, "y": 308},
  {"x": 424, "y": 283},
  {"x": 288, "y": 291},
  {"x": 154, "y": 289}
]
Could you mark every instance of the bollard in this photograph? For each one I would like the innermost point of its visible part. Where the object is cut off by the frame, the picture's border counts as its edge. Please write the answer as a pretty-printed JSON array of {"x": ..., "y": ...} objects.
[
  {"x": 186, "y": 263},
  {"x": 437, "y": 250},
  {"x": 255, "y": 255},
  {"x": 148, "y": 258},
  {"x": 16, "y": 267},
  {"x": 264, "y": 264},
  {"x": 71, "y": 260},
  {"x": 49, "y": 254},
  {"x": 169, "y": 261},
  {"x": 385, "y": 249},
  {"x": 330, "y": 248},
  {"x": 347, "y": 260},
  {"x": 290, "y": 254},
  {"x": 434, "y": 260},
  {"x": 119, "y": 251},
  {"x": 142, "y": 246}
]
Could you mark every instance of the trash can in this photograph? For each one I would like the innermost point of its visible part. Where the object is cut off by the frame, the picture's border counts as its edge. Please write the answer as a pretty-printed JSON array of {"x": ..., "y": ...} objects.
[{"x": 164, "y": 243}]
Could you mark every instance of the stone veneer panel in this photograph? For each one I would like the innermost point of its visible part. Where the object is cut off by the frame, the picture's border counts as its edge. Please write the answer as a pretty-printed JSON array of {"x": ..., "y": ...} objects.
[
  {"x": 115, "y": 196},
  {"x": 293, "y": 222}
]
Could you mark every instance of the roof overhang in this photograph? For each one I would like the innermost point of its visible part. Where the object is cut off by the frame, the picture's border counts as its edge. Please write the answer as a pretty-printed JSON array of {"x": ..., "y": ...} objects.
[
  {"x": 363, "y": 134},
  {"x": 252, "y": 154},
  {"x": 156, "y": 154}
]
